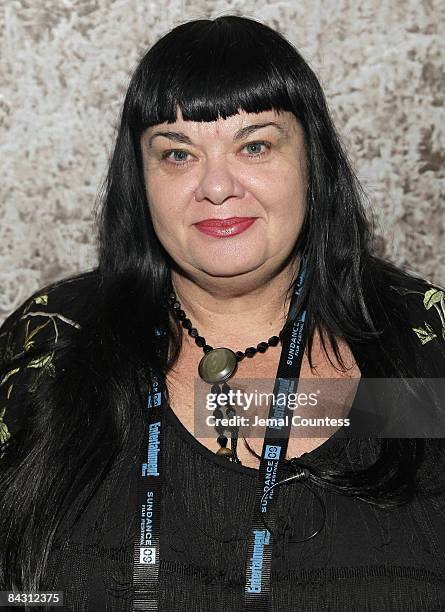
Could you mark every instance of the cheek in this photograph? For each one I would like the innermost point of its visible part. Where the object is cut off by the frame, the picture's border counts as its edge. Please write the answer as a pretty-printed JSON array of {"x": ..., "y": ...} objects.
[
  {"x": 288, "y": 199},
  {"x": 161, "y": 204},
  {"x": 287, "y": 211}
]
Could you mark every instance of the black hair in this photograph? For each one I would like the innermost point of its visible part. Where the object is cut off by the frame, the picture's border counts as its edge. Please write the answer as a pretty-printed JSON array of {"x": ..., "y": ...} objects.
[{"x": 210, "y": 69}]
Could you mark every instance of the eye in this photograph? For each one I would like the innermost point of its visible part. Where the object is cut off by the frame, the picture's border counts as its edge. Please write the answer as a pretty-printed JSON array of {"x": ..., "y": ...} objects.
[
  {"x": 174, "y": 160},
  {"x": 178, "y": 157},
  {"x": 257, "y": 152}
]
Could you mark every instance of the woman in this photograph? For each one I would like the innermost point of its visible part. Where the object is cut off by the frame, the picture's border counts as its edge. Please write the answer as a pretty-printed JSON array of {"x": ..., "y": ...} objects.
[{"x": 232, "y": 213}]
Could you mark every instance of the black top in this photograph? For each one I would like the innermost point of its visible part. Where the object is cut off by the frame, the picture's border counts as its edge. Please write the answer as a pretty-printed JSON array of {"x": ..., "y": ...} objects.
[{"x": 365, "y": 558}]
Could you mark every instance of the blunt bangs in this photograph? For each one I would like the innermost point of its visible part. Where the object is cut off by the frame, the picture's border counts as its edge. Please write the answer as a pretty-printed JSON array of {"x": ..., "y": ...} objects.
[{"x": 212, "y": 69}]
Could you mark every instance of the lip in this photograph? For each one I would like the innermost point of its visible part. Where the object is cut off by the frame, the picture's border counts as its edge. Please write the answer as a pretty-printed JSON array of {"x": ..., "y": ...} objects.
[{"x": 224, "y": 228}]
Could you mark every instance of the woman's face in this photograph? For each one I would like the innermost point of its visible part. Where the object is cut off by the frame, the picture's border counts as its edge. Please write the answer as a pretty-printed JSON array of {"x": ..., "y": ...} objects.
[{"x": 199, "y": 171}]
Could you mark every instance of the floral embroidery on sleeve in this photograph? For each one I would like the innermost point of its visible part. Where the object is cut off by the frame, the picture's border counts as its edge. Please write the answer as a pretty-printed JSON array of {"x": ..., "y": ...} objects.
[
  {"x": 18, "y": 340},
  {"x": 433, "y": 299},
  {"x": 4, "y": 431}
]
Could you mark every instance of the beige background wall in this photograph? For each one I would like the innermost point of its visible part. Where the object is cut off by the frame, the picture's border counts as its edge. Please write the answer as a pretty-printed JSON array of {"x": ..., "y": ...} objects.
[{"x": 64, "y": 68}]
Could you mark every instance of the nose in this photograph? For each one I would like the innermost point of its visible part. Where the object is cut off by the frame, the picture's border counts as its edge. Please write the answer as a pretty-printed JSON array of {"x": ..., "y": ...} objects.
[{"x": 218, "y": 183}]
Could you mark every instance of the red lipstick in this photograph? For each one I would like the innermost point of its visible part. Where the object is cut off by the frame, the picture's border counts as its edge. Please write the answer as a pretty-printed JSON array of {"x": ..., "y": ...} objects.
[{"x": 224, "y": 228}]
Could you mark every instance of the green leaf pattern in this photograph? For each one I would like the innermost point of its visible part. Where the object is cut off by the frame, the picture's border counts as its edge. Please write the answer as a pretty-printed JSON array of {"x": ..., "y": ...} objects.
[
  {"x": 433, "y": 299},
  {"x": 425, "y": 334},
  {"x": 4, "y": 432},
  {"x": 41, "y": 366}
]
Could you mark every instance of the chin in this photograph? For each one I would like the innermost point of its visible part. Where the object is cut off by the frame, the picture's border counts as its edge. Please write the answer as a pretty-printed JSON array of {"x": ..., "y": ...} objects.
[{"x": 228, "y": 269}]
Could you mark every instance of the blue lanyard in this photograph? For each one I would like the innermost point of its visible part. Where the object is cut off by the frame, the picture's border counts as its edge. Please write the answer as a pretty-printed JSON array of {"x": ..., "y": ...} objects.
[
  {"x": 276, "y": 438},
  {"x": 149, "y": 496}
]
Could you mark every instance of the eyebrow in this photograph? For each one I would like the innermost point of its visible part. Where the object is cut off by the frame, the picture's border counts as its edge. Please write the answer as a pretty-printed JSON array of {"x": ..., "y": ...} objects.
[{"x": 239, "y": 135}]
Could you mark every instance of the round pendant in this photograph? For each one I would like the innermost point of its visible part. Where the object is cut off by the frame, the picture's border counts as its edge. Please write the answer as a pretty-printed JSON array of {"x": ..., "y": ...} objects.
[{"x": 217, "y": 365}]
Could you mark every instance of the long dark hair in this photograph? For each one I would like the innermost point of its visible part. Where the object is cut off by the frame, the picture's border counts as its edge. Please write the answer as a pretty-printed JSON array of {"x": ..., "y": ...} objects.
[{"x": 54, "y": 465}]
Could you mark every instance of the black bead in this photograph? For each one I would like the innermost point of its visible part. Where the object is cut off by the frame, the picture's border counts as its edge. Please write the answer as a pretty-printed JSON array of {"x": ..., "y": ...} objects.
[
  {"x": 217, "y": 413},
  {"x": 239, "y": 355},
  {"x": 273, "y": 341},
  {"x": 222, "y": 441},
  {"x": 215, "y": 389},
  {"x": 250, "y": 351},
  {"x": 200, "y": 341},
  {"x": 187, "y": 324},
  {"x": 193, "y": 332},
  {"x": 230, "y": 412},
  {"x": 180, "y": 314},
  {"x": 176, "y": 305},
  {"x": 262, "y": 347},
  {"x": 225, "y": 388},
  {"x": 207, "y": 348}
]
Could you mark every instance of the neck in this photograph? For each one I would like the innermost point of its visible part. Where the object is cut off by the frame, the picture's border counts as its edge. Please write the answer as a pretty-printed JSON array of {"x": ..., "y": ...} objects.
[{"x": 236, "y": 312}]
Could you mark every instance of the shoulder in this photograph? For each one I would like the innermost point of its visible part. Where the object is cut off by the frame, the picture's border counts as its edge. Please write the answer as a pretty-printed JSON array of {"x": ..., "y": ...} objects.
[
  {"x": 29, "y": 339},
  {"x": 47, "y": 313},
  {"x": 411, "y": 312},
  {"x": 424, "y": 303}
]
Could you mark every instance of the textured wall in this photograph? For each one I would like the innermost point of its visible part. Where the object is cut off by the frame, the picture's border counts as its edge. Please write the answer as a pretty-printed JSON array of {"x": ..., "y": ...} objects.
[{"x": 65, "y": 65}]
